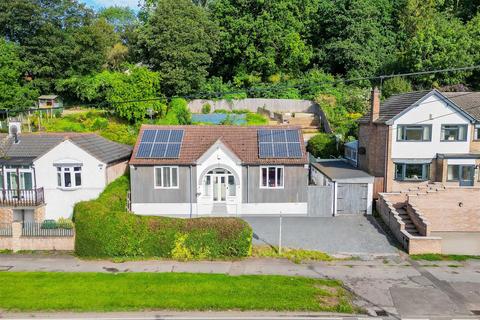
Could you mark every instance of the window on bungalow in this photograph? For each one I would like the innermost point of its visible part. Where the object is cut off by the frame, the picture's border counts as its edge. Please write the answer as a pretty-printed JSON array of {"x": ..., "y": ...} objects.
[
  {"x": 454, "y": 132},
  {"x": 414, "y": 133},
  {"x": 166, "y": 177},
  {"x": 69, "y": 176},
  {"x": 271, "y": 177},
  {"x": 412, "y": 171}
]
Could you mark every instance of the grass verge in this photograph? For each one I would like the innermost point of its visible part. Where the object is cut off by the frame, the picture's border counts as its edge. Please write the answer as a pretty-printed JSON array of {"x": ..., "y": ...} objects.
[
  {"x": 41, "y": 291},
  {"x": 294, "y": 255},
  {"x": 442, "y": 257}
]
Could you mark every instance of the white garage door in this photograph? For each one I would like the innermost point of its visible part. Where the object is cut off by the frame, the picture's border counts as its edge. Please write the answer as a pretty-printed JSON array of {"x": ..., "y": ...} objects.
[{"x": 352, "y": 198}]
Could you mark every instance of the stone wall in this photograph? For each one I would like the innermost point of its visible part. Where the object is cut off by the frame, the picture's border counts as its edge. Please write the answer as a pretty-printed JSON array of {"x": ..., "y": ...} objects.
[
  {"x": 17, "y": 243},
  {"x": 6, "y": 215}
]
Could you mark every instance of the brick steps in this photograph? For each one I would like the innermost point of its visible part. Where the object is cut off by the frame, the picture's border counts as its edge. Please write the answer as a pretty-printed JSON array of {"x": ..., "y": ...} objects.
[{"x": 409, "y": 226}]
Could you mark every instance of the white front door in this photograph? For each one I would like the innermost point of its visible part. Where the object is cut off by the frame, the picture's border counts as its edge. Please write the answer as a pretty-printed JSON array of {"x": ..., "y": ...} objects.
[{"x": 219, "y": 188}]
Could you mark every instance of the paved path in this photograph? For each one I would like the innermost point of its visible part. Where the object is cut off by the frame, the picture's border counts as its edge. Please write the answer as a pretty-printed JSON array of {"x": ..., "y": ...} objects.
[
  {"x": 392, "y": 284},
  {"x": 352, "y": 234}
]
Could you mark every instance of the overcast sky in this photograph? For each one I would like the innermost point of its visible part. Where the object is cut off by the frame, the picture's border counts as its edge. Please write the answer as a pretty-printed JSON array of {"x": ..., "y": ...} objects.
[{"x": 108, "y": 3}]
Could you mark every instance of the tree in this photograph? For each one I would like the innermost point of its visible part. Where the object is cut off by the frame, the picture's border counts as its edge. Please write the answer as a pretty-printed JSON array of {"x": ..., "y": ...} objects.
[
  {"x": 395, "y": 85},
  {"x": 433, "y": 41},
  {"x": 178, "y": 41},
  {"x": 15, "y": 94},
  {"x": 263, "y": 37},
  {"x": 123, "y": 19},
  {"x": 354, "y": 37}
]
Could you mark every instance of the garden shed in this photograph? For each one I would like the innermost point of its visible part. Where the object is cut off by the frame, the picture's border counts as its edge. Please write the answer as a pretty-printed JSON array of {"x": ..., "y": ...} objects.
[{"x": 351, "y": 189}]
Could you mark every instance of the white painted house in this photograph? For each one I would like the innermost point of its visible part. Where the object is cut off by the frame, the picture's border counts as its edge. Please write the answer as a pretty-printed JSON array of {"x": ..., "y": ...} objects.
[{"x": 43, "y": 175}]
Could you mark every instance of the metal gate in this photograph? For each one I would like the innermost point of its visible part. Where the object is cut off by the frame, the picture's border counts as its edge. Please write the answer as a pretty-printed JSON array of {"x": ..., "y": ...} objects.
[
  {"x": 320, "y": 201},
  {"x": 352, "y": 198}
]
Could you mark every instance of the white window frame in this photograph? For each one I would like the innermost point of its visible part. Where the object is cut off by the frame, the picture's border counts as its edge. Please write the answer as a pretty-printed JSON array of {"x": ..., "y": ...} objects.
[
  {"x": 72, "y": 172},
  {"x": 276, "y": 177},
  {"x": 157, "y": 186},
  {"x": 476, "y": 133}
]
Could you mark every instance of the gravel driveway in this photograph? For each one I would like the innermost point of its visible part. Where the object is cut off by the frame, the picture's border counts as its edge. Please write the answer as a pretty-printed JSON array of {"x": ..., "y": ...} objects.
[{"x": 355, "y": 234}]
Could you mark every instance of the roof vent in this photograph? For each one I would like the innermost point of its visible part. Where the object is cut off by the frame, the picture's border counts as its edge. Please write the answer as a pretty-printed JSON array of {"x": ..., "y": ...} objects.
[{"x": 14, "y": 128}]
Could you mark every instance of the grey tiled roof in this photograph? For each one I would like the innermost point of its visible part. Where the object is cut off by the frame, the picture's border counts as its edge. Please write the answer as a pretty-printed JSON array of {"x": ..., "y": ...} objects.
[
  {"x": 395, "y": 105},
  {"x": 33, "y": 145},
  {"x": 467, "y": 101}
]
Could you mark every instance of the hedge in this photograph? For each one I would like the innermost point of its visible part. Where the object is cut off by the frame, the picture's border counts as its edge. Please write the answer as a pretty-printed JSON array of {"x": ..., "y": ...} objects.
[{"x": 105, "y": 229}]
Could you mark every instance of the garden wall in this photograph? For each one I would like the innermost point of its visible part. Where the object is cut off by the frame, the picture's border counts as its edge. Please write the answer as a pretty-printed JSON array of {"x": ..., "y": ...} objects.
[{"x": 17, "y": 242}]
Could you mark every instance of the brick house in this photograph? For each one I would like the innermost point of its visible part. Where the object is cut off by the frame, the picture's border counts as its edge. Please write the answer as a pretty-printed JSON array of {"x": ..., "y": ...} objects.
[
  {"x": 425, "y": 146},
  {"x": 422, "y": 137}
]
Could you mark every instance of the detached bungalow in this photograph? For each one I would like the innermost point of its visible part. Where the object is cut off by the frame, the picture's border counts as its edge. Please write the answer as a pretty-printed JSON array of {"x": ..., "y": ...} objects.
[
  {"x": 43, "y": 175},
  {"x": 219, "y": 170}
]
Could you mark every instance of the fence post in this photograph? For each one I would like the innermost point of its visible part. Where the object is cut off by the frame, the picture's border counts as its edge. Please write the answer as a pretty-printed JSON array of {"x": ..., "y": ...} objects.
[{"x": 16, "y": 235}]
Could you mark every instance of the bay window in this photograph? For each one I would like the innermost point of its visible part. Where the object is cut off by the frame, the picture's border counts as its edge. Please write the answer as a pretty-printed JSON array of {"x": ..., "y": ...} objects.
[
  {"x": 412, "y": 171},
  {"x": 166, "y": 177},
  {"x": 271, "y": 177},
  {"x": 69, "y": 176},
  {"x": 476, "y": 135},
  {"x": 454, "y": 132}
]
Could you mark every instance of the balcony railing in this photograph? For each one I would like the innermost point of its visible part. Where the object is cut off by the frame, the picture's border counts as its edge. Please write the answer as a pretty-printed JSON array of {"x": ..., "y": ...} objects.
[
  {"x": 22, "y": 198},
  {"x": 46, "y": 229}
]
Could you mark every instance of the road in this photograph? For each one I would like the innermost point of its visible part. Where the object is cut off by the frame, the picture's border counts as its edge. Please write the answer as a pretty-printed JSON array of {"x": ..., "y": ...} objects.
[{"x": 390, "y": 287}]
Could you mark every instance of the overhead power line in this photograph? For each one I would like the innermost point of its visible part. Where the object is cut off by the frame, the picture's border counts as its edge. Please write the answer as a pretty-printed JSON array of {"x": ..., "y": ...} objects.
[{"x": 253, "y": 90}]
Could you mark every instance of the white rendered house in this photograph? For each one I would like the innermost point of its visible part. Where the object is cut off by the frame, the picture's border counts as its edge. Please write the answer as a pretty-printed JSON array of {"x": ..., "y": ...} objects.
[{"x": 43, "y": 175}]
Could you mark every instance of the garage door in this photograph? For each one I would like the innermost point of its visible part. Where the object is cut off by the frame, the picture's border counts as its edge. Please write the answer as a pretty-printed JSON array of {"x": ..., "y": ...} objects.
[{"x": 352, "y": 198}]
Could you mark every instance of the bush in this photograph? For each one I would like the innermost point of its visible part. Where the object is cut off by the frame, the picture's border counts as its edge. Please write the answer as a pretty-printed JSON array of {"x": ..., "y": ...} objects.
[
  {"x": 206, "y": 108},
  {"x": 323, "y": 146},
  {"x": 105, "y": 229}
]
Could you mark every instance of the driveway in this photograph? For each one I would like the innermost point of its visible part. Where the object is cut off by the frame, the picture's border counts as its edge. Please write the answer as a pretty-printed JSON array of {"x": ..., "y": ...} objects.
[{"x": 355, "y": 234}]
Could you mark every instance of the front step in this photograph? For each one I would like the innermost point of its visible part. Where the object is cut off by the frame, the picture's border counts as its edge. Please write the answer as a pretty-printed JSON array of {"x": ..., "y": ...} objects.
[{"x": 409, "y": 225}]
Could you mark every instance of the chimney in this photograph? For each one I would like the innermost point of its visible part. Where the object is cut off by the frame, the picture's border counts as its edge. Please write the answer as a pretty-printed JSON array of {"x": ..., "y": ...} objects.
[
  {"x": 14, "y": 128},
  {"x": 375, "y": 105}
]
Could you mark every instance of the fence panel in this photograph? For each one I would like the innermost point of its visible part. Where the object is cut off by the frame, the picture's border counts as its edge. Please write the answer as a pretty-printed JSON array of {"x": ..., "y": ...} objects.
[
  {"x": 320, "y": 201},
  {"x": 5, "y": 229},
  {"x": 32, "y": 229}
]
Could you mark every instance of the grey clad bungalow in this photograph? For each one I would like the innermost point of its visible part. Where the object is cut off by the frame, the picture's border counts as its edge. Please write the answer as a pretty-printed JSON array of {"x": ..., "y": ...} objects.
[{"x": 219, "y": 170}]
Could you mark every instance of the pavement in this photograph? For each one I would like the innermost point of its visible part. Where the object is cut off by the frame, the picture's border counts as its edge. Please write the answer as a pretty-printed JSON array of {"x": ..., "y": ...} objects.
[
  {"x": 347, "y": 234},
  {"x": 390, "y": 287}
]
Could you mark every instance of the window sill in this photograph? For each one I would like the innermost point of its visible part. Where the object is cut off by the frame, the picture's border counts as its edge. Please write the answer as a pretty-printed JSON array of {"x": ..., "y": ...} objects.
[
  {"x": 166, "y": 188},
  {"x": 406, "y": 180},
  {"x": 69, "y": 188},
  {"x": 414, "y": 140},
  {"x": 272, "y": 188}
]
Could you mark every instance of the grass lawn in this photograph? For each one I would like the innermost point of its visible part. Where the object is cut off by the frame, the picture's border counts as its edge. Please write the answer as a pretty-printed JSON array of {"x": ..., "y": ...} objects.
[
  {"x": 294, "y": 255},
  {"x": 442, "y": 257},
  {"x": 42, "y": 291}
]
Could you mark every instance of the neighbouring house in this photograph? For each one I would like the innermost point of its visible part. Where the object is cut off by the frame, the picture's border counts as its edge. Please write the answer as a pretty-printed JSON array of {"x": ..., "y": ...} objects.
[
  {"x": 219, "y": 170},
  {"x": 344, "y": 189},
  {"x": 43, "y": 175},
  {"x": 415, "y": 138},
  {"x": 425, "y": 147},
  {"x": 50, "y": 101}
]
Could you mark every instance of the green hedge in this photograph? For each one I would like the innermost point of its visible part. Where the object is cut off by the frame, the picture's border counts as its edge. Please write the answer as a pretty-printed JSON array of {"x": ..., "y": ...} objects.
[{"x": 105, "y": 229}]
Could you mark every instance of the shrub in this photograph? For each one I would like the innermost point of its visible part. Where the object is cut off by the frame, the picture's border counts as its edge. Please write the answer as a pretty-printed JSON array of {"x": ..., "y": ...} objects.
[
  {"x": 206, "y": 108},
  {"x": 105, "y": 229},
  {"x": 323, "y": 146},
  {"x": 64, "y": 223}
]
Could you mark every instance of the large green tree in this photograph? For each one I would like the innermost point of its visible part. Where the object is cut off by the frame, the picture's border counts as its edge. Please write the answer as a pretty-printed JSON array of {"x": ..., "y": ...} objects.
[
  {"x": 178, "y": 40},
  {"x": 354, "y": 37},
  {"x": 263, "y": 37},
  {"x": 58, "y": 38},
  {"x": 15, "y": 94},
  {"x": 433, "y": 40}
]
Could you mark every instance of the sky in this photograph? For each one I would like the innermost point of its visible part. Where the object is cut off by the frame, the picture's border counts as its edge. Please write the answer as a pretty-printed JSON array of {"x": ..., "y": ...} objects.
[{"x": 96, "y": 4}]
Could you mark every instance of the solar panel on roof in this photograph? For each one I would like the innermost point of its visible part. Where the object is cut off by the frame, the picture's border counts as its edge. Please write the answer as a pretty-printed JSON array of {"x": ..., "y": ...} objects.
[
  {"x": 160, "y": 144},
  {"x": 148, "y": 135},
  {"x": 173, "y": 149},
  {"x": 162, "y": 136},
  {"x": 144, "y": 150},
  {"x": 279, "y": 143}
]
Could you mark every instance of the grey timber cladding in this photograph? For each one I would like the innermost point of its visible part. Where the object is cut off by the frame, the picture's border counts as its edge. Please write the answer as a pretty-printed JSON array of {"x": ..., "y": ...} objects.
[
  {"x": 143, "y": 186},
  {"x": 294, "y": 190}
]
